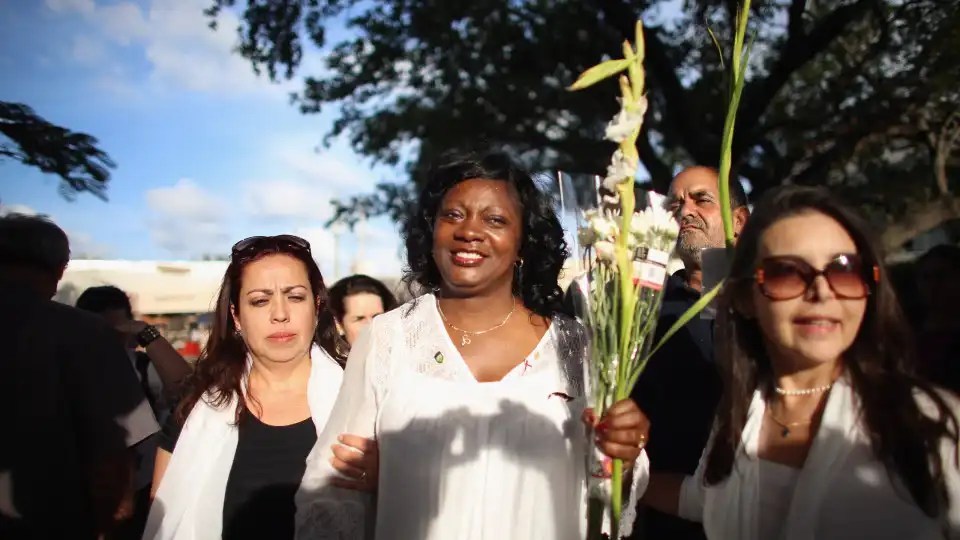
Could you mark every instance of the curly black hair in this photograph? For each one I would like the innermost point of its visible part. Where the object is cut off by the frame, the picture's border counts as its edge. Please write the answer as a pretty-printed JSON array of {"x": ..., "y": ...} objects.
[{"x": 542, "y": 248}]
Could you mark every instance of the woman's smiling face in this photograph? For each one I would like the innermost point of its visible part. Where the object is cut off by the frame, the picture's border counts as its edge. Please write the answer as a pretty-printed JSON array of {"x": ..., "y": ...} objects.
[
  {"x": 819, "y": 325},
  {"x": 477, "y": 235}
]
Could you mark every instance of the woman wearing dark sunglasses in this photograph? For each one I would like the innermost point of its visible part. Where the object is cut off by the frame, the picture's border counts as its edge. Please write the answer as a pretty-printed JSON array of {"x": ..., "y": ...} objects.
[
  {"x": 822, "y": 432},
  {"x": 262, "y": 390}
]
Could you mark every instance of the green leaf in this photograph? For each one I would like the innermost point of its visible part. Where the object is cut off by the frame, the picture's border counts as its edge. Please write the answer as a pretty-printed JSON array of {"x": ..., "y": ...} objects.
[
  {"x": 716, "y": 43},
  {"x": 598, "y": 73}
]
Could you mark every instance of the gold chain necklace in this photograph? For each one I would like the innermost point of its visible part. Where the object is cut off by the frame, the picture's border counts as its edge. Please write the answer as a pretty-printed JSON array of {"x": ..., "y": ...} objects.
[
  {"x": 464, "y": 334},
  {"x": 785, "y": 432}
]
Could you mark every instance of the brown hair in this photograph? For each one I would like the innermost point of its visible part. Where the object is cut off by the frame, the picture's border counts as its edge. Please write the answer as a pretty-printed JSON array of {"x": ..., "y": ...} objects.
[
  {"x": 223, "y": 362},
  {"x": 879, "y": 362}
]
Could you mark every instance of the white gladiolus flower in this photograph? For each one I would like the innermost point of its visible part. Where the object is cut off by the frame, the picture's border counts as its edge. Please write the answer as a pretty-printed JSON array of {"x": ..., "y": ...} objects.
[
  {"x": 610, "y": 200},
  {"x": 604, "y": 227},
  {"x": 626, "y": 122},
  {"x": 641, "y": 222},
  {"x": 623, "y": 125},
  {"x": 606, "y": 251},
  {"x": 620, "y": 169}
]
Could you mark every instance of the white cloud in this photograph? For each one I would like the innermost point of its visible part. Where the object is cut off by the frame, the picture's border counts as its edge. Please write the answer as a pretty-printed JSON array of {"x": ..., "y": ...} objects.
[
  {"x": 68, "y": 6},
  {"x": 7, "y": 209},
  {"x": 185, "y": 200},
  {"x": 184, "y": 53},
  {"x": 333, "y": 167},
  {"x": 288, "y": 199},
  {"x": 300, "y": 182},
  {"x": 186, "y": 219},
  {"x": 83, "y": 245},
  {"x": 86, "y": 49}
]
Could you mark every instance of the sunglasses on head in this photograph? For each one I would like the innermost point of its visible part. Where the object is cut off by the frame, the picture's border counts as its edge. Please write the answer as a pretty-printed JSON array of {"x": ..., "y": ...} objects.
[
  {"x": 255, "y": 243},
  {"x": 786, "y": 278}
]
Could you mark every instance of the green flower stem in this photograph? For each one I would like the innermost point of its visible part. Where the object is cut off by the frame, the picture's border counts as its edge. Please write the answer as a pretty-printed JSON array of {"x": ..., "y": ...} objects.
[
  {"x": 740, "y": 58},
  {"x": 622, "y": 315}
]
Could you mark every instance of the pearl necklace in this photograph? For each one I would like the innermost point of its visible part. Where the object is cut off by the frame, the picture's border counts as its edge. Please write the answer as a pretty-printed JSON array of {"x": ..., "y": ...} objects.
[{"x": 804, "y": 391}]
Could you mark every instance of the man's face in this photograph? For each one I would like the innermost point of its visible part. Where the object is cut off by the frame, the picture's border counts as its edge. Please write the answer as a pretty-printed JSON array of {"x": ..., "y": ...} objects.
[{"x": 694, "y": 202}]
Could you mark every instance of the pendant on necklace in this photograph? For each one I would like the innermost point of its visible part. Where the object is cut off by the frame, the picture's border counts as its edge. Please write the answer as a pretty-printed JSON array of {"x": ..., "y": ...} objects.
[
  {"x": 464, "y": 340},
  {"x": 785, "y": 432}
]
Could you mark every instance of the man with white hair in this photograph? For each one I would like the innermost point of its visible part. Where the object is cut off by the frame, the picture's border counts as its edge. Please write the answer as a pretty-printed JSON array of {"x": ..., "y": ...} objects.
[{"x": 72, "y": 406}]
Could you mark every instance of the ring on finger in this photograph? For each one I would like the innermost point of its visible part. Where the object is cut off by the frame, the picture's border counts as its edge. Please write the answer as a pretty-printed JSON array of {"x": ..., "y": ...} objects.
[{"x": 363, "y": 475}]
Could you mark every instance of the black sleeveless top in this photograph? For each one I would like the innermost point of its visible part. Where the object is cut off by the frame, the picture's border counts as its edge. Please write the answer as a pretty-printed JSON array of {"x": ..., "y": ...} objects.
[{"x": 266, "y": 472}]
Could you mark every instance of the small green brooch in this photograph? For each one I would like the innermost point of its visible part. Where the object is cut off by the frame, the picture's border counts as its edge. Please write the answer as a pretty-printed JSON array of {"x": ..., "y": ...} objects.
[{"x": 438, "y": 357}]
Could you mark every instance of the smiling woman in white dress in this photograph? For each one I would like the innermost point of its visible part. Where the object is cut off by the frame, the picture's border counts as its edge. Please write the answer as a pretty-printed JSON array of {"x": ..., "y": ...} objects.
[
  {"x": 821, "y": 433},
  {"x": 474, "y": 392}
]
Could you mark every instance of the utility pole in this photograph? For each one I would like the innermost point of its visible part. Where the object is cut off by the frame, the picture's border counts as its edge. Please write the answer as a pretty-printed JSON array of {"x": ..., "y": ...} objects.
[{"x": 337, "y": 230}]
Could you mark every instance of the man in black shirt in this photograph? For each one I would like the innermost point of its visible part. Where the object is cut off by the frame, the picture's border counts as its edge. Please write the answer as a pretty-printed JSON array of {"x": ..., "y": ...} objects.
[
  {"x": 680, "y": 388},
  {"x": 71, "y": 404}
]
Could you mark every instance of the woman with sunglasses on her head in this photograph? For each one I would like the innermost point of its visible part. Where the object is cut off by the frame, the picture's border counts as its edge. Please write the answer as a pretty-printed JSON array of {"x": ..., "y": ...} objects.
[
  {"x": 473, "y": 391},
  {"x": 356, "y": 300},
  {"x": 821, "y": 432},
  {"x": 262, "y": 389}
]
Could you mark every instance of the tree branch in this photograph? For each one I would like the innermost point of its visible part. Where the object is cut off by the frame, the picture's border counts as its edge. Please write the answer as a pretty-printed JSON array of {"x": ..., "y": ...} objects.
[
  {"x": 798, "y": 50},
  {"x": 795, "y": 21},
  {"x": 679, "y": 111},
  {"x": 660, "y": 173},
  {"x": 921, "y": 218},
  {"x": 949, "y": 136}
]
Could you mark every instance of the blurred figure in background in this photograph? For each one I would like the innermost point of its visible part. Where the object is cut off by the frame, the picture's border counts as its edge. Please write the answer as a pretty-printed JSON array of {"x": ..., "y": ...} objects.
[
  {"x": 159, "y": 366},
  {"x": 160, "y": 370},
  {"x": 939, "y": 332},
  {"x": 71, "y": 404},
  {"x": 356, "y": 300}
]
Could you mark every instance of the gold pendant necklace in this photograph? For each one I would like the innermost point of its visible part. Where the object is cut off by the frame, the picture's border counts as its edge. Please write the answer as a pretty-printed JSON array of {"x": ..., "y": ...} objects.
[
  {"x": 785, "y": 432},
  {"x": 465, "y": 334}
]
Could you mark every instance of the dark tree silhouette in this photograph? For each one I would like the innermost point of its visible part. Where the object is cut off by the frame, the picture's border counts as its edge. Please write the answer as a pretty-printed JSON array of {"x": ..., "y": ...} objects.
[
  {"x": 72, "y": 156},
  {"x": 833, "y": 86}
]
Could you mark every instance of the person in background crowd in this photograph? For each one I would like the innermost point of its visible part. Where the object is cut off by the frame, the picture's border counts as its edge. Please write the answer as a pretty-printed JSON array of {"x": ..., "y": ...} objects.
[
  {"x": 356, "y": 300},
  {"x": 159, "y": 366},
  {"x": 71, "y": 405},
  {"x": 822, "y": 432},
  {"x": 161, "y": 371},
  {"x": 235, "y": 450},
  {"x": 680, "y": 388},
  {"x": 475, "y": 389},
  {"x": 938, "y": 282}
]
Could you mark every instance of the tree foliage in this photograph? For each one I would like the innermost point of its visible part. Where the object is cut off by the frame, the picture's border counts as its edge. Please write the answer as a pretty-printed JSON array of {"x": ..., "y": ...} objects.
[
  {"x": 852, "y": 93},
  {"x": 72, "y": 156}
]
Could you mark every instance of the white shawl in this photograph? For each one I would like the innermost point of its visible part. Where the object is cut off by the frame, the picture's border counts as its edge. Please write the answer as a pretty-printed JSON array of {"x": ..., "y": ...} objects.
[
  {"x": 189, "y": 502},
  {"x": 841, "y": 492}
]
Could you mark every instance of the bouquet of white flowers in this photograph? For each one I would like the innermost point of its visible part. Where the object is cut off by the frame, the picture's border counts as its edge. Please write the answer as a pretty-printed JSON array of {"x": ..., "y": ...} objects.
[{"x": 625, "y": 255}]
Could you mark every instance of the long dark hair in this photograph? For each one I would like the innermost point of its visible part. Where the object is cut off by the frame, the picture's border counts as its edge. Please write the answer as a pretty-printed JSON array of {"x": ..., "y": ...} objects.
[
  {"x": 879, "y": 362},
  {"x": 223, "y": 362},
  {"x": 542, "y": 246},
  {"x": 359, "y": 284}
]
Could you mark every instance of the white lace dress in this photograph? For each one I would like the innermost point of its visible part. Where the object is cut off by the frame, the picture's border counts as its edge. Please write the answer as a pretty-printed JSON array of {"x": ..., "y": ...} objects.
[{"x": 459, "y": 459}]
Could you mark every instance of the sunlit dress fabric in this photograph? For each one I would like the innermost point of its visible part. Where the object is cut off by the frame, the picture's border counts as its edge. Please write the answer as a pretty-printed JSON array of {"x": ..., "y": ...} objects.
[{"x": 459, "y": 459}]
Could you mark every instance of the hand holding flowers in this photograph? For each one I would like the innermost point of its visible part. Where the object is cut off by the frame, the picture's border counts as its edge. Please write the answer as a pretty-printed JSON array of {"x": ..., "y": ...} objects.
[{"x": 622, "y": 432}]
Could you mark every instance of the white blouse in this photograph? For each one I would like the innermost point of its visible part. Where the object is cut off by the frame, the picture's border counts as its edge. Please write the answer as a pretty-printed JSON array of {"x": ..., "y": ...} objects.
[
  {"x": 842, "y": 491},
  {"x": 459, "y": 459}
]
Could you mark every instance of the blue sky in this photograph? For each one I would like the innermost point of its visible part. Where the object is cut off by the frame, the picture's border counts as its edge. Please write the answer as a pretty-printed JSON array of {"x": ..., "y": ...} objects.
[{"x": 207, "y": 153}]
